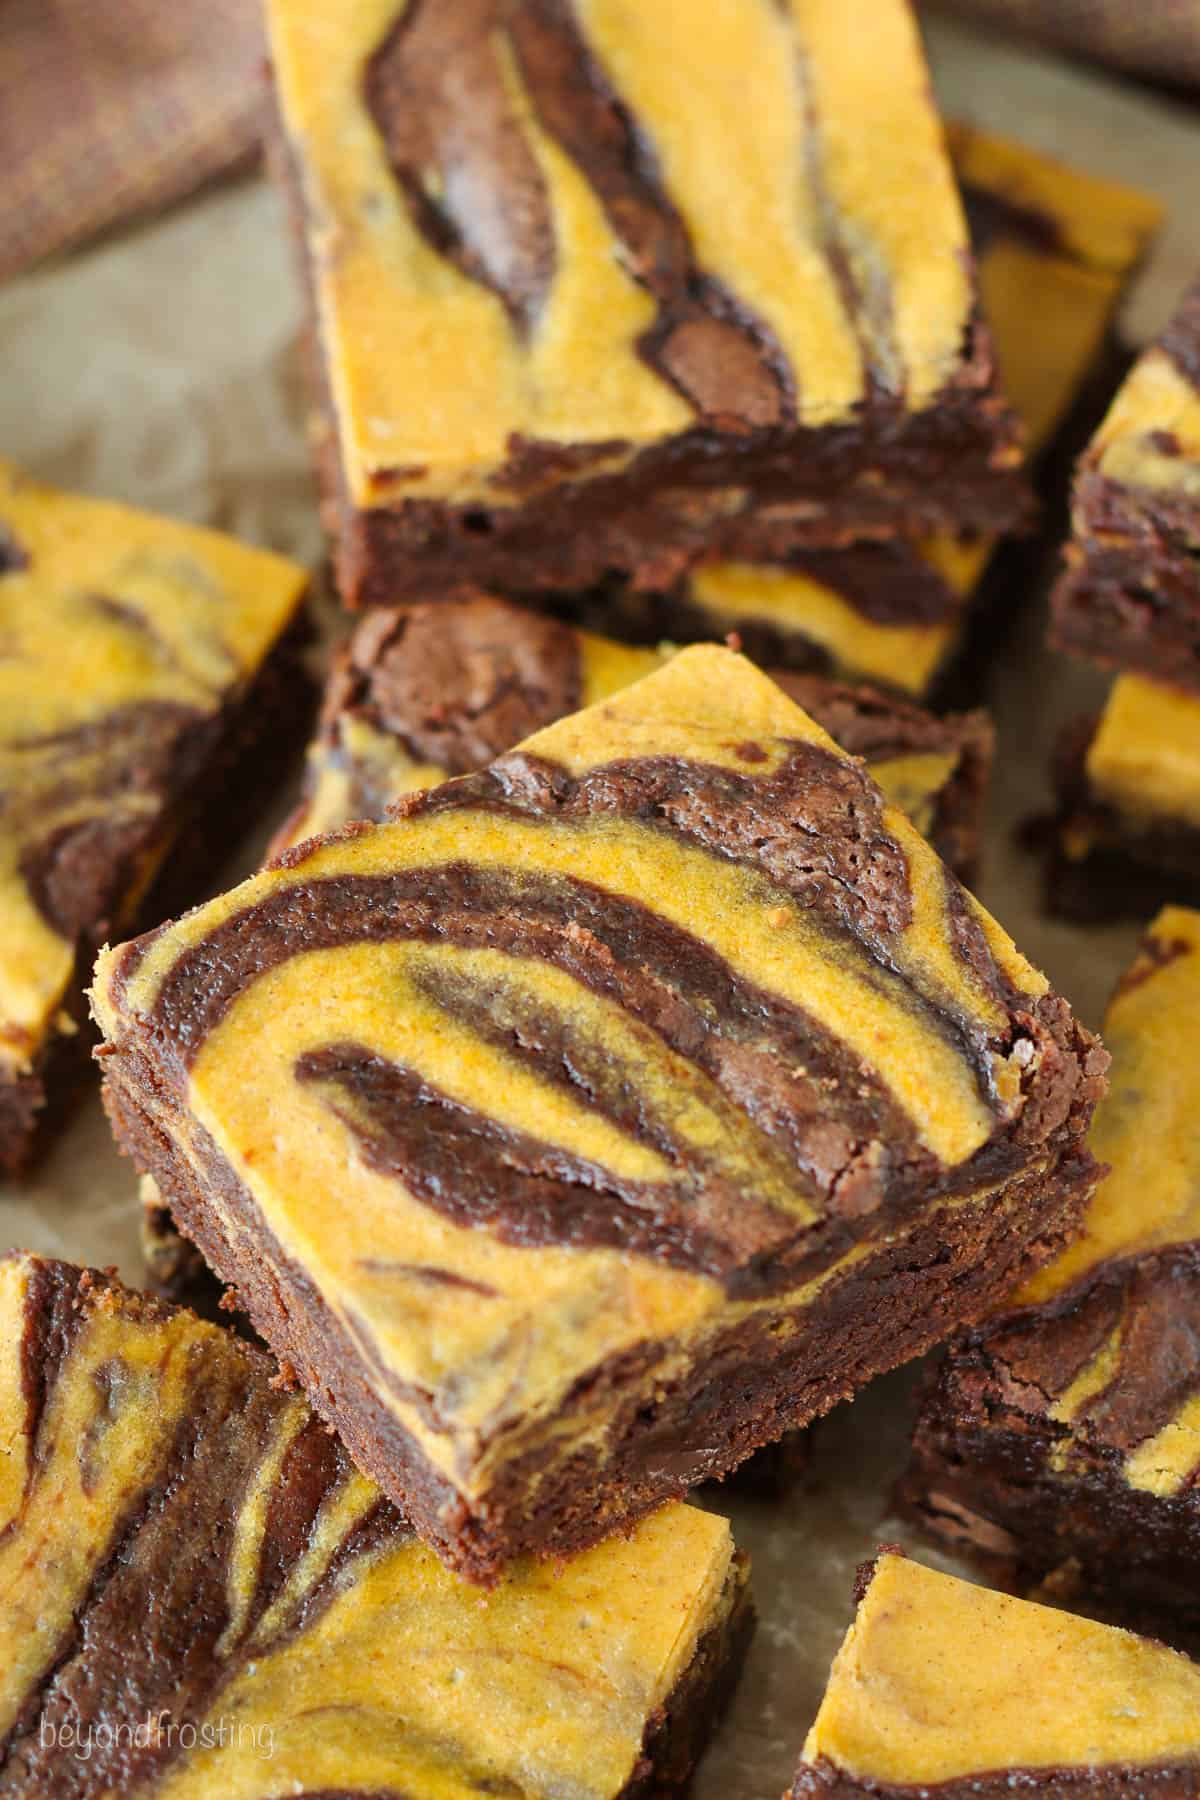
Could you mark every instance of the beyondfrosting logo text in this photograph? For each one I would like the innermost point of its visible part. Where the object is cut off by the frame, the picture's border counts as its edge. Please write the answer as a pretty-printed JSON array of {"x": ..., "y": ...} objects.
[{"x": 159, "y": 1732}]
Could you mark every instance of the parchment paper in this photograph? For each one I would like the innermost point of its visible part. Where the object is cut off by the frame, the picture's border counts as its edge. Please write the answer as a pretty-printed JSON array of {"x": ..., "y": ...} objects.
[{"x": 161, "y": 368}]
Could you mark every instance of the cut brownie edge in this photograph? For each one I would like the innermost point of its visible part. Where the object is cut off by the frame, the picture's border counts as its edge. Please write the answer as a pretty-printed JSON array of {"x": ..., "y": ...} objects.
[
  {"x": 821, "y": 1780},
  {"x": 690, "y": 1716},
  {"x": 703, "y": 1426},
  {"x": 231, "y": 773},
  {"x": 986, "y": 1478}
]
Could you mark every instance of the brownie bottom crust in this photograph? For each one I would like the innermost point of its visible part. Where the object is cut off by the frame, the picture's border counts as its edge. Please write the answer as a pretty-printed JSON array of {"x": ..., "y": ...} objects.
[
  {"x": 984, "y": 1482},
  {"x": 821, "y": 1780},
  {"x": 1099, "y": 865},
  {"x": 765, "y": 1375},
  {"x": 230, "y": 768},
  {"x": 677, "y": 1736}
]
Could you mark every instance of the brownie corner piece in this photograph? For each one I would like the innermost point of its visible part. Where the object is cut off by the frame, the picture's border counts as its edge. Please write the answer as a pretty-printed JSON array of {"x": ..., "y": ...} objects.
[
  {"x": 1058, "y": 1445},
  {"x": 546, "y": 347},
  {"x": 143, "y": 659},
  {"x": 1129, "y": 596},
  {"x": 605, "y": 1114},
  {"x": 222, "y": 1600},
  {"x": 942, "y": 1687}
]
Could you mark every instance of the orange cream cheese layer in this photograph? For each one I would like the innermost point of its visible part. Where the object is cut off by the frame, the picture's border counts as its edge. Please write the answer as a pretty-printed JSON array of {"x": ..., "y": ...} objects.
[
  {"x": 940, "y": 1684},
  {"x": 1144, "y": 1129},
  {"x": 1150, "y": 437},
  {"x": 1050, "y": 243},
  {"x": 478, "y": 299},
  {"x": 1144, "y": 759},
  {"x": 119, "y": 633},
  {"x": 297, "y": 1078},
  {"x": 188, "y": 1553}
]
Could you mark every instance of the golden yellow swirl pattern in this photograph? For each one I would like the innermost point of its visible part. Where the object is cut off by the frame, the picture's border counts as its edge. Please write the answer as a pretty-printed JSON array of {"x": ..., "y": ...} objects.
[
  {"x": 377, "y": 1251},
  {"x": 939, "y": 1681},
  {"x": 368, "y": 1667},
  {"x": 102, "y": 609}
]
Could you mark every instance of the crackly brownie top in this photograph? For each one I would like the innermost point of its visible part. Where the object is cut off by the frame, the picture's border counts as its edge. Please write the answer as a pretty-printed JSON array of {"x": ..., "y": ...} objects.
[
  {"x": 1144, "y": 756},
  {"x": 941, "y": 1686},
  {"x": 201, "y": 1597},
  {"x": 1150, "y": 437},
  {"x": 120, "y": 634},
  {"x": 587, "y": 225},
  {"x": 1049, "y": 241},
  {"x": 425, "y": 692},
  {"x": 659, "y": 1016}
]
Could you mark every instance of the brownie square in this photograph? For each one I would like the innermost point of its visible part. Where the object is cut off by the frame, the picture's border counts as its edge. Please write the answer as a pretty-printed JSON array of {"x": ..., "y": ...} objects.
[
  {"x": 592, "y": 290},
  {"x": 1130, "y": 594},
  {"x": 943, "y": 1688},
  {"x": 1126, "y": 832},
  {"x": 1050, "y": 243},
  {"x": 607, "y": 1113},
  {"x": 140, "y": 661},
  {"x": 421, "y": 693},
  {"x": 202, "y": 1595},
  {"x": 1060, "y": 1444}
]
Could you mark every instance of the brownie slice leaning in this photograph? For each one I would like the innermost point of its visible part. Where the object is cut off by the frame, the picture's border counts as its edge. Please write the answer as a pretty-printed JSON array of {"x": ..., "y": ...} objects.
[
  {"x": 1130, "y": 595},
  {"x": 424, "y": 692},
  {"x": 200, "y": 1596},
  {"x": 1061, "y": 1442},
  {"x": 948, "y": 1690},
  {"x": 141, "y": 661},
  {"x": 591, "y": 290},
  {"x": 1050, "y": 243},
  {"x": 607, "y": 1113}
]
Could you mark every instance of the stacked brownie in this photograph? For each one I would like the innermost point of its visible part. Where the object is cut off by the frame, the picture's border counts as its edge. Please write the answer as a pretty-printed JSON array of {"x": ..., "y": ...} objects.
[
  {"x": 200, "y": 1595},
  {"x": 144, "y": 667},
  {"x": 608, "y": 1073},
  {"x": 1048, "y": 243},
  {"x": 595, "y": 292},
  {"x": 605, "y": 1114},
  {"x": 1060, "y": 1444},
  {"x": 1129, "y": 781}
]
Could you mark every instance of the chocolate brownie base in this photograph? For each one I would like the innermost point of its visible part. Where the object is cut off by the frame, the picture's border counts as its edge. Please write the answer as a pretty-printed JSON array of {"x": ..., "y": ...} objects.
[
  {"x": 753, "y": 1386},
  {"x": 1130, "y": 598},
  {"x": 677, "y": 1737},
  {"x": 1164, "y": 1781},
  {"x": 985, "y": 1479},
  {"x": 1099, "y": 866},
  {"x": 222, "y": 775}
]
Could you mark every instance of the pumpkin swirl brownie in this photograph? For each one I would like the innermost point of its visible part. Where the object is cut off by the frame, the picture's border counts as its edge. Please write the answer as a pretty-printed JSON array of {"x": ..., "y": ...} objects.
[
  {"x": 141, "y": 661},
  {"x": 1130, "y": 594},
  {"x": 421, "y": 693},
  {"x": 607, "y": 1113},
  {"x": 1126, "y": 832},
  {"x": 590, "y": 289},
  {"x": 201, "y": 1597},
  {"x": 951, "y": 1692},
  {"x": 1061, "y": 1443},
  {"x": 1050, "y": 243}
]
